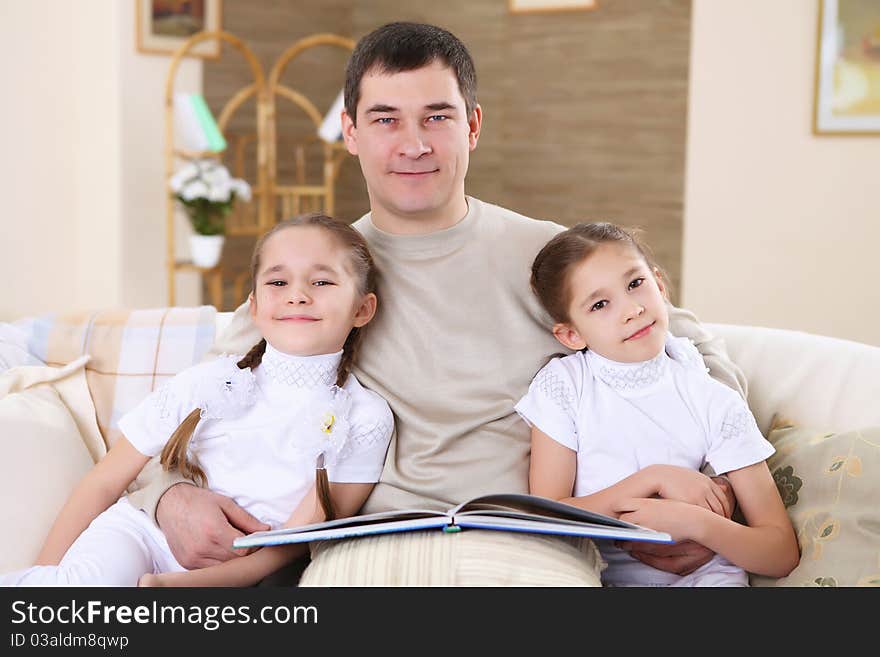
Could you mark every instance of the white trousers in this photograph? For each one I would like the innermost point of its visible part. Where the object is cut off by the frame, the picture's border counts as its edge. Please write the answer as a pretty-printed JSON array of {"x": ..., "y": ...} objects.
[{"x": 118, "y": 547}]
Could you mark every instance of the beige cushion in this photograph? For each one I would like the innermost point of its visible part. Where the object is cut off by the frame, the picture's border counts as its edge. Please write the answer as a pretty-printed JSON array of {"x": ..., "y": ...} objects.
[
  {"x": 45, "y": 414},
  {"x": 830, "y": 483}
]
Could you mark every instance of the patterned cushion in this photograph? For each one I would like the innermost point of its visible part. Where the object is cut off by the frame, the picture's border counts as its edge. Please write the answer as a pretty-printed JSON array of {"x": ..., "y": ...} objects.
[
  {"x": 132, "y": 352},
  {"x": 830, "y": 484}
]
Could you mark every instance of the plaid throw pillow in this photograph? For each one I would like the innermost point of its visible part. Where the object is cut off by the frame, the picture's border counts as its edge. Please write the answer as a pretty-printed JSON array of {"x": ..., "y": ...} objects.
[{"x": 132, "y": 352}]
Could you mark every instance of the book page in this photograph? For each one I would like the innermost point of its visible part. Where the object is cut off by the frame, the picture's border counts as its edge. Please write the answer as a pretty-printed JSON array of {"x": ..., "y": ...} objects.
[{"x": 525, "y": 505}]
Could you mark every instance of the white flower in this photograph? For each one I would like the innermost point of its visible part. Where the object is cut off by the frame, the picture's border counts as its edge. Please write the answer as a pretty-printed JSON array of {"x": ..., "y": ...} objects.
[
  {"x": 189, "y": 171},
  {"x": 324, "y": 426},
  {"x": 216, "y": 175},
  {"x": 229, "y": 393},
  {"x": 219, "y": 192},
  {"x": 193, "y": 190},
  {"x": 241, "y": 188},
  {"x": 210, "y": 180}
]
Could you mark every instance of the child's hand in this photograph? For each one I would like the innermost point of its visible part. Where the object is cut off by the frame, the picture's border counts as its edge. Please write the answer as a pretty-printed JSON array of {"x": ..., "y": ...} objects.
[
  {"x": 684, "y": 485},
  {"x": 678, "y": 519}
]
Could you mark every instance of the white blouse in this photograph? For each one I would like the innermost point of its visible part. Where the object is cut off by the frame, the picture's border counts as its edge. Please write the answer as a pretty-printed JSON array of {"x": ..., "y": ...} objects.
[
  {"x": 261, "y": 432},
  {"x": 622, "y": 417}
]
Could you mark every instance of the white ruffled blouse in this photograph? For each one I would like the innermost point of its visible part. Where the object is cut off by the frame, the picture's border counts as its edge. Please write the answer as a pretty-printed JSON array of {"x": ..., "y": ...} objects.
[{"x": 262, "y": 432}]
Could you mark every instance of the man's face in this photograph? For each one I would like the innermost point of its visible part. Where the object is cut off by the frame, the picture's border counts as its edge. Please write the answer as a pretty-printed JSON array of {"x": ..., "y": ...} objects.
[
  {"x": 617, "y": 306},
  {"x": 413, "y": 139}
]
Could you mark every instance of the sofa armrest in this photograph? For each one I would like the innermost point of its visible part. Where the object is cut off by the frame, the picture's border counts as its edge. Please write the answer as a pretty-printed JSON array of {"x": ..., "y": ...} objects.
[{"x": 816, "y": 381}]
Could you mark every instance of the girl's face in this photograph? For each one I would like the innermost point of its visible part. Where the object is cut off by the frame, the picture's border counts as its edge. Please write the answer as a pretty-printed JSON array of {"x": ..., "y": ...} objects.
[
  {"x": 306, "y": 298},
  {"x": 617, "y": 306}
]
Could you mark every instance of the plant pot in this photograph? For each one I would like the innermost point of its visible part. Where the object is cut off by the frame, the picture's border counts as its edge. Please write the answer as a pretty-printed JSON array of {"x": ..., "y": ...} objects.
[{"x": 206, "y": 249}]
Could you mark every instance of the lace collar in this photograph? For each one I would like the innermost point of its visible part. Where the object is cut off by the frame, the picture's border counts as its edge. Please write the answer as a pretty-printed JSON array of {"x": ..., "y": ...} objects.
[
  {"x": 628, "y": 377},
  {"x": 300, "y": 371}
]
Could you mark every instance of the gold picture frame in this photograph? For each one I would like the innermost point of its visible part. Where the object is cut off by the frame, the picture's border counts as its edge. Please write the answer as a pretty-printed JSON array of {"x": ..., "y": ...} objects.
[
  {"x": 536, "y": 6},
  {"x": 162, "y": 25},
  {"x": 847, "y": 85}
]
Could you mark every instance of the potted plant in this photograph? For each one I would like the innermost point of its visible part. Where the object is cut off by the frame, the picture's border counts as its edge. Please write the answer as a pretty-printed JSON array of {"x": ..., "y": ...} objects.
[{"x": 207, "y": 193}]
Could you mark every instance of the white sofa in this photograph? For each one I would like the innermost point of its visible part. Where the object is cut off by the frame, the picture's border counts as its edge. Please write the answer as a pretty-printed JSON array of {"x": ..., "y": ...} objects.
[
  {"x": 827, "y": 390},
  {"x": 814, "y": 380}
]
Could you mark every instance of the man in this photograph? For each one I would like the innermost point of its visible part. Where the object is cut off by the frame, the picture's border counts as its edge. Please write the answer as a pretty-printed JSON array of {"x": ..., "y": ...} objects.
[{"x": 455, "y": 343}]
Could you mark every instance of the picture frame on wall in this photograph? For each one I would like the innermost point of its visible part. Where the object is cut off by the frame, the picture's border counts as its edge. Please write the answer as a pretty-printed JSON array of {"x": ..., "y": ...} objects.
[
  {"x": 163, "y": 25},
  {"x": 847, "y": 88},
  {"x": 535, "y": 6}
]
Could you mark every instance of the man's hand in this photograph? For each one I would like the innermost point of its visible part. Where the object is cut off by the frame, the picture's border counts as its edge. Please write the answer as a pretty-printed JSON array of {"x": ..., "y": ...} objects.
[
  {"x": 200, "y": 525},
  {"x": 679, "y": 558},
  {"x": 730, "y": 496}
]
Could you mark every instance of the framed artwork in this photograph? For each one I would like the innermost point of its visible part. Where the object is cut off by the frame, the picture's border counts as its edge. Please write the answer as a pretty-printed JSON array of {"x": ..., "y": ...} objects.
[
  {"x": 533, "y": 6},
  {"x": 847, "y": 98},
  {"x": 162, "y": 25}
]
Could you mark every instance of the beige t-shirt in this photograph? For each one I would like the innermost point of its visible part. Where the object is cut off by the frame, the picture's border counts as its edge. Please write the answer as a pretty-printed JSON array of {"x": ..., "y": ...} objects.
[{"x": 457, "y": 339}]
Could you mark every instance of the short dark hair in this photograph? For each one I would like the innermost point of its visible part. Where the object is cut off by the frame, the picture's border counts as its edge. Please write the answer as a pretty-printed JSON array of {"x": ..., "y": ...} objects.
[{"x": 397, "y": 47}]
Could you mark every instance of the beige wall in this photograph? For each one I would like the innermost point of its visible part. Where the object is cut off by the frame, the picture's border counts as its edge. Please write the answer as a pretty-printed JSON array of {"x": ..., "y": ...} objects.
[
  {"x": 781, "y": 227},
  {"x": 37, "y": 157},
  {"x": 142, "y": 166},
  {"x": 83, "y": 222}
]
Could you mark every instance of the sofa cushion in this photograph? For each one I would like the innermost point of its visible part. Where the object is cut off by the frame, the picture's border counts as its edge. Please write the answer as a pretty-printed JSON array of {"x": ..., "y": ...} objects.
[
  {"x": 49, "y": 441},
  {"x": 132, "y": 352},
  {"x": 830, "y": 484}
]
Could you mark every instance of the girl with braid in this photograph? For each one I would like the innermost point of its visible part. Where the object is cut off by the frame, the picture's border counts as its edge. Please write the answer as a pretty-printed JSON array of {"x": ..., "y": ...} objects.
[{"x": 286, "y": 431}]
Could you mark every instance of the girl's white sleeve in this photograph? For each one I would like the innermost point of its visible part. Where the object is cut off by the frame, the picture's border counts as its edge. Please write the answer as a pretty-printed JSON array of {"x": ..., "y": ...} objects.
[
  {"x": 149, "y": 425},
  {"x": 362, "y": 457},
  {"x": 734, "y": 438},
  {"x": 552, "y": 400}
]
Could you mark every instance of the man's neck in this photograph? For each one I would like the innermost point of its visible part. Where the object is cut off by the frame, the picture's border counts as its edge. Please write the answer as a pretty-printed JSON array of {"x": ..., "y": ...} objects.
[{"x": 419, "y": 223}]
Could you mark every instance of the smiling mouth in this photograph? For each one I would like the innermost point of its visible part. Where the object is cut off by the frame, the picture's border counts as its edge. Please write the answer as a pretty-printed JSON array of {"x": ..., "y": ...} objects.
[
  {"x": 414, "y": 173},
  {"x": 298, "y": 318},
  {"x": 642, "y": 332}
]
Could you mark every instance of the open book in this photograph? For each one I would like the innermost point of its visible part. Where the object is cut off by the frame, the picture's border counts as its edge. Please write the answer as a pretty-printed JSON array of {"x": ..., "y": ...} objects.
[{"x": 505, "y": 512}]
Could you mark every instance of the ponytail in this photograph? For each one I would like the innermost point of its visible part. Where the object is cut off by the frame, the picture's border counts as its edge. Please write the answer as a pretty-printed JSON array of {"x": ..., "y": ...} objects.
[
  {"x": 174, "y": 454},
  {"x": 349, "y": 353},
  {"x": 322, "y": 490},
  {"x": 322, "y": 484}
]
